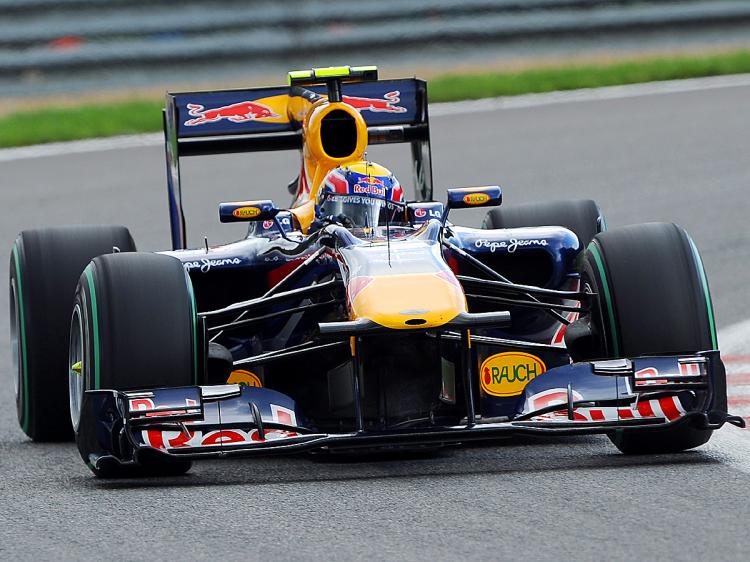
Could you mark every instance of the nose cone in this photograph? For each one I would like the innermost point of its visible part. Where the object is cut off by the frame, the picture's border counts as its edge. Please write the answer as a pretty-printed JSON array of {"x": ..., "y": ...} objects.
[{"x": 401, "y": 302}]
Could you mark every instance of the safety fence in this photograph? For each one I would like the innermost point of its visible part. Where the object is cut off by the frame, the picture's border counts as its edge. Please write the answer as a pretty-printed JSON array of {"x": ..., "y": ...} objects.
[{"x": 45, "y": 37}]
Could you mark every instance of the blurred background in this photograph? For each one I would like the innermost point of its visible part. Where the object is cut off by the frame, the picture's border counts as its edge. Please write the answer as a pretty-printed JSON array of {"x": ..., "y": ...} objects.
[{"x": 58, "y": 48}]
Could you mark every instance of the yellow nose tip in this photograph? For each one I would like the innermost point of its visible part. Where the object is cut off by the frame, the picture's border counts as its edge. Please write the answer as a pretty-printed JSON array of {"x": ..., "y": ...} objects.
[{"x": 76, "y": 367}]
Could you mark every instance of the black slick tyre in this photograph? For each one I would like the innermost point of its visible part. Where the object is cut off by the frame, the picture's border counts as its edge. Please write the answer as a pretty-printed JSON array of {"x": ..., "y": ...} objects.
[
  {"x": 45, "y": 265},
  {"x": 582, "y": 216},
  {"x": 653, "y": 299},
  {"x": 134, "y": 326}
]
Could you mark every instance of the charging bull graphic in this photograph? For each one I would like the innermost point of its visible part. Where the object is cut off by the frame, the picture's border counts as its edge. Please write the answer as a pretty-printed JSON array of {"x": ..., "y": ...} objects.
[
  {"x": 236, "y": 113},
  {"x": 244, "y": 111},
  {"x": 387, "y": 103}
]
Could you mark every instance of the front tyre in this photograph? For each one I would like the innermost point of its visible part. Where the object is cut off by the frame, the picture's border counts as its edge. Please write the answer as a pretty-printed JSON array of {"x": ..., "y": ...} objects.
[
  {"x": 653, "y": 300},
  {"x": 45, "y": 265},
  {"x": 133, "y": 326}
]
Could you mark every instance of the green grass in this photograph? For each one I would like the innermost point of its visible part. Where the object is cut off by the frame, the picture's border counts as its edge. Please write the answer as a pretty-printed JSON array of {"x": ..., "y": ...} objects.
[
  {"x": 461, "y": 87},
  {"x": 141, "y": 116},
  {"x": 80, "y": 122}
]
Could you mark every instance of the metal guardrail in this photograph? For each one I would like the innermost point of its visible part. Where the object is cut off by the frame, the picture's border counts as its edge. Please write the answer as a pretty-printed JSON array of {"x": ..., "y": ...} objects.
[{"x": 53, "y": 36}]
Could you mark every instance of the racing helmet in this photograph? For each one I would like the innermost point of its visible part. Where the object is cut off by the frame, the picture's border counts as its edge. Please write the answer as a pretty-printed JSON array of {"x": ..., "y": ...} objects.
[{"x": 362, "y": 195}]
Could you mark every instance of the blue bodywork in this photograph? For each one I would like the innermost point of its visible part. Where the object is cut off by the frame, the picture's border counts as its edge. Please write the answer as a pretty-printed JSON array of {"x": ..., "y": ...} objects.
[{"x": 273, "y": 315}]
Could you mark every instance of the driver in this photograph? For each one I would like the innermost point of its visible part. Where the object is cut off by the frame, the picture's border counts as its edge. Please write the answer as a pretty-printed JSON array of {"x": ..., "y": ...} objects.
[{"x": 361, "y": 195}]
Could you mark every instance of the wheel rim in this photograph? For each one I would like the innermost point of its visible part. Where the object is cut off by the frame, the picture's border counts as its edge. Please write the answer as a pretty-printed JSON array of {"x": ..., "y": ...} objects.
[
  {"x": 76, "y": 369},
  {"x": 15, "y": 340}
]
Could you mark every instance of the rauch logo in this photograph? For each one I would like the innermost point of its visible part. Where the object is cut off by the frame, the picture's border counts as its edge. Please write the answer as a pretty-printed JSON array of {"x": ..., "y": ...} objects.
[{"x": 506, "y": 374}]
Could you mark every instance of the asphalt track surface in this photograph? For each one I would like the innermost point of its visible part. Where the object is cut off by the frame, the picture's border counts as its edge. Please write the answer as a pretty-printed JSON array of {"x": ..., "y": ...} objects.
[{"x": 681, "y": 157}]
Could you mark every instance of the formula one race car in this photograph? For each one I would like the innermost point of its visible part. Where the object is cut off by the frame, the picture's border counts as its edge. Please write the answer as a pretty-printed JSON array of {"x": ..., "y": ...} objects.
[{"x": 355, "y": 319}]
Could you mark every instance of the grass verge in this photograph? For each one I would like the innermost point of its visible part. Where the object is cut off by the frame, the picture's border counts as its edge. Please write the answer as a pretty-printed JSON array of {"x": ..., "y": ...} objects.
[
  {"x": 142, "y": 116},
  {"x": 56, "y": 124}
]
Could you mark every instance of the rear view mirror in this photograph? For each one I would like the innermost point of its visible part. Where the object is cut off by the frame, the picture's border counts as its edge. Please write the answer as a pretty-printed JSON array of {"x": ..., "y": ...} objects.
[
  {"x": 246, "y": 211},
  {"x": 469, "y": 197}
]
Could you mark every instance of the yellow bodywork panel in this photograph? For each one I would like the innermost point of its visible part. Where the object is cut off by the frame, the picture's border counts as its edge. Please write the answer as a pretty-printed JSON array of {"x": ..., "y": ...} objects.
[
  {"x": 317, "y": 162},
  {"x": 394, "y": 300},
  {"x": 305, "y": 215}
]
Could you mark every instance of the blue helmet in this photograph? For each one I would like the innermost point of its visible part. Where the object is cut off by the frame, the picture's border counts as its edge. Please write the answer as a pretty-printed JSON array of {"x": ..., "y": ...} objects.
[{"x": 366, "y": 193}]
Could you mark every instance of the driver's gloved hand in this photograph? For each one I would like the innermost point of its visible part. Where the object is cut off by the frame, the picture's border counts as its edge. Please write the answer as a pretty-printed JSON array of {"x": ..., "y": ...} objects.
[
  {"x": 341, "y": 219},
  {"x": 344, "y": 221}
]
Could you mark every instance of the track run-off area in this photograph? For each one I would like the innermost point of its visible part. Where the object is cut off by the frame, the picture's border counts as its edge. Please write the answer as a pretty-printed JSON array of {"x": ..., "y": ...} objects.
[{"x": 662, "y": 152}]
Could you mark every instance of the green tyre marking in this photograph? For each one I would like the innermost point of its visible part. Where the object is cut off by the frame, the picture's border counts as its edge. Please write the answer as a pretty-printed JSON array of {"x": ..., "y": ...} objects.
[
  {"x": 607, "y": 297},
  {"x": 193, "y": 316},
  {"x": 24, "y": 360},
  {"x": 706, "y": 294},
  {"x": 95, "y": 322}
]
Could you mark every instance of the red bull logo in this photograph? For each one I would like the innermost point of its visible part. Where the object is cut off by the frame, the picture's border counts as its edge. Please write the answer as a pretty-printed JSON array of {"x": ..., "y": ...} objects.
[
  {"x": 371, "y": 180},
  {"x": 386, "y": 104},
  {"x": 236, "y": 113},
  {"x": 371, "y": 189}
]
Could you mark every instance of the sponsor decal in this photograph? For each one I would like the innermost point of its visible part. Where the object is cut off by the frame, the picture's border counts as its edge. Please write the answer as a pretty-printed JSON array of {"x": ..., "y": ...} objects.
[
  {"x": 243, "y": 377},
  {"x": 372, "y": 189},
  {"x": 179, "y": 439},
  {"x": 668, "y": 407},
  {"x": 240, "y": 112},
  {"x": 421, "y": 213},
  {"x": 509, "y": 245},
  {"x": 506, "y": 374},
  {"x": 371, "y": 180},
  {"x": 648, "y": 376},
  {"x": 385, "y": 104},
  {"x": 146, "y": 404},
  {"x": 690, "y": 369},
  {"x": 267, "y": 224},
  {"x": 246, "y": 212},
  {"x": 356, "y": 199},
  {"x": 552, "y": 397},
  {"x": 476, "y": 198},
  {"x": 206, "y": 264},
  {"x": 283, "y": 415}
]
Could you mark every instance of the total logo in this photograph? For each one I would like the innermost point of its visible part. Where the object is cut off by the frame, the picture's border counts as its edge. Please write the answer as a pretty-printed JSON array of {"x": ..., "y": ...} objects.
[{"x": 506, "y": 374}]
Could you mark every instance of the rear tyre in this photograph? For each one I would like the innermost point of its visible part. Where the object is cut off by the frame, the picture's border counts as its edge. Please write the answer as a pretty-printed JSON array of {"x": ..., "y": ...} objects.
[
  {"x": 133, "y": 327},
  {"x": 45, "y": 265},
  {"x": 581, "y": 216},
  {"x": 653, "y": 299}
]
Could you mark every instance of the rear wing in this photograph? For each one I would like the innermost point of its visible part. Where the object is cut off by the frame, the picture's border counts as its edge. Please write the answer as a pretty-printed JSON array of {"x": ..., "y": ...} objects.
[{"x": 256, "y": 119}]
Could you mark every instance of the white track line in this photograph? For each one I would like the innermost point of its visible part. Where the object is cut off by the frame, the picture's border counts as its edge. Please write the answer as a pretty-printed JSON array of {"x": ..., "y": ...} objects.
[
  {"x": 592, "y": 94},
  {"x": 436, "y": 110},
  {"x": 78, "y": 147}
]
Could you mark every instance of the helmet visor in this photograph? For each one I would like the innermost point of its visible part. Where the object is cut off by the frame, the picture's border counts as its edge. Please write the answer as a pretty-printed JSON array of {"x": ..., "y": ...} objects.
[{"x": 363, "y": 211}]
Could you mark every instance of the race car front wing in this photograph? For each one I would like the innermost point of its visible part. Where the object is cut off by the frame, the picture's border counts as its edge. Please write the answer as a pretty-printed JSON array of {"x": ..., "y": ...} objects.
[{"x": 649, "y": 393}]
